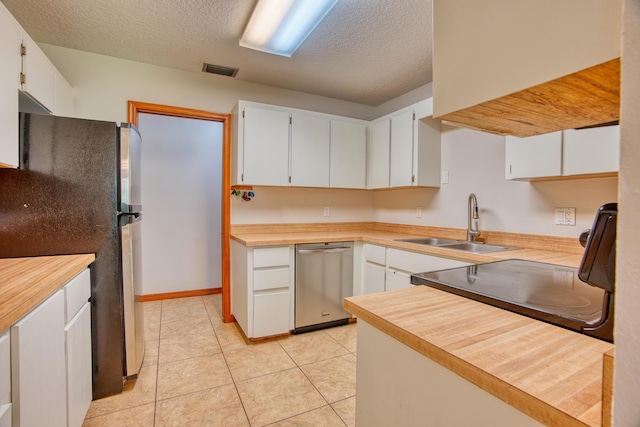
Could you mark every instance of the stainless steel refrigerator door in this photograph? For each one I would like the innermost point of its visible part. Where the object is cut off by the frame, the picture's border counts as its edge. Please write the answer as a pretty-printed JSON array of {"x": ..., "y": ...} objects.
[
  {"x": 130, "y": 173},
  {"x": 324, "y": 277},
  {"x": 130, "y": 231}
]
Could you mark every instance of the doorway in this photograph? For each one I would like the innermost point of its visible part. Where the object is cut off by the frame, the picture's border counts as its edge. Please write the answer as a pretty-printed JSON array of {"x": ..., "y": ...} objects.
[{"x": 162, "y": 210}]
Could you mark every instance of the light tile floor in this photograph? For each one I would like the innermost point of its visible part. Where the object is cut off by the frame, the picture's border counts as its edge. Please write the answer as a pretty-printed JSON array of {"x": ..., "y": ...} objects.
[{"x": 199, "y": 371}]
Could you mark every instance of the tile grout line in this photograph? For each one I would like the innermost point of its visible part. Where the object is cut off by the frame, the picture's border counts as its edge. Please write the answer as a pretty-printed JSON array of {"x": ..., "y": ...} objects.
[{"x": 233, "y": 381}]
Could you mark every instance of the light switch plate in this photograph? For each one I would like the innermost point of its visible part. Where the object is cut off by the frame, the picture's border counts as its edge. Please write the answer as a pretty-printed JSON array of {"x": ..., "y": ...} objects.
[
  {"x": 419, "y": 212},
  {"x": 565, "y": 216},
  {"x": 445, "y": 177}
]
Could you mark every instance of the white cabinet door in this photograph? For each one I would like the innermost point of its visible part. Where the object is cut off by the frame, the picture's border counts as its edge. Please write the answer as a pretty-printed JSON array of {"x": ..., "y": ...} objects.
[
  {"x": 401, "y": 170},
  {"x": 5, "y": 369},
  {"x": 9, "y": 79},
  {"x": 38, "y": 382},
  {"x": 348, "y": 155},
  {"x": 39, "y": 74},
  {"x": 397, "y": 280},
  {"x": 310, "y": 138},
  {"x": 533, "y": 157},
  {"x": 266, "y": 147},
  {"x": 374, "y": 278},
  {"x": 5, "y": 415},
  {"x": 271, "y": 313},
  {"x": 79, "y": 367},
  {"x": 587, "y": 151},
  {"x": 379, "y": 154}
]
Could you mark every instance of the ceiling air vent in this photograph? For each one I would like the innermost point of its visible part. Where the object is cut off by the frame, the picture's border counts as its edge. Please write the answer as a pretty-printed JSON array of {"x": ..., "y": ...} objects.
[{"x": 219, "y": 69}]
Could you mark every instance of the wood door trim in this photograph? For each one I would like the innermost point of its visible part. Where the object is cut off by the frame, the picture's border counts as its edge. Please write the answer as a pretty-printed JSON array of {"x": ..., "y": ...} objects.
[{"x": 135, "y": 108}]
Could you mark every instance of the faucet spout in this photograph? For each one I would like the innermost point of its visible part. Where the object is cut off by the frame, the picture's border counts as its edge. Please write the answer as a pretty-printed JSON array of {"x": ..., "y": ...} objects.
[{"x": 473, "y": 216}]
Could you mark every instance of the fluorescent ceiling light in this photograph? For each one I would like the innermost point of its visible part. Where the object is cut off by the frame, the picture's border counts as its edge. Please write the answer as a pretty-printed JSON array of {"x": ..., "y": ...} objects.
[{"x": 280, "y": 26}]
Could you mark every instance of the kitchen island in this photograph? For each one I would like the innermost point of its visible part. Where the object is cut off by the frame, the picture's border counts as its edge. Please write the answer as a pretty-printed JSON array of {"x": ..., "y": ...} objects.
[{"x": 427, "y": 357}]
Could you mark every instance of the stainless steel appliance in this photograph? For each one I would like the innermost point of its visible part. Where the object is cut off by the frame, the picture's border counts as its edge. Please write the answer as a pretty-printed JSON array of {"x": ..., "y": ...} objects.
[
  {"x": 324, "y": 278},
  {"x": 78, "y": 191},
  {"x": 580, "y": 299}
]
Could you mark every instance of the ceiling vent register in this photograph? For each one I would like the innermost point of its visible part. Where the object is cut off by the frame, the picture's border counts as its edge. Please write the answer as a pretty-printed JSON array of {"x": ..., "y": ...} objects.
[{"x": 219, "y": 69}]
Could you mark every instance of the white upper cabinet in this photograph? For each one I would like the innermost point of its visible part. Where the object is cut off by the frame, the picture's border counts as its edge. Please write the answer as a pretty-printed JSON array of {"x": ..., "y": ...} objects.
[
  {"x": 379, "y": 162},
  {"x": 9, "y": 79},
  {"x": 535, "y": 156},
  {"x": 28, "y": 82},
  {"x": 348, "y": 154},
  {"x": 266, "y": 146},
  {"x": 38, "y": 74},
  {"x": 280, "y": 146},
  {"x": 401, "y": 170},
  {"x": 570, "y": 153},
  {"x": 404, "y": 149},
  {"x": 310, "y": 140},
  {"x": 591, "y": 151}
]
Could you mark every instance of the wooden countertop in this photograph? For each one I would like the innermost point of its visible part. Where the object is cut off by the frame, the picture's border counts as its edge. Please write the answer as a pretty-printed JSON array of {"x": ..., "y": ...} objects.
[
  {"x": 26, "y": 282},
  {"x": 552, "y": 374},
  {"x": 388, "y": 238}
]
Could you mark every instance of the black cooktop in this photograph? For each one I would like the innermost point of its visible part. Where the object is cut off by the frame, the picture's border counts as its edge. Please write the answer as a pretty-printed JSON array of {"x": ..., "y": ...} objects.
[{"x": 543, "y": 291}]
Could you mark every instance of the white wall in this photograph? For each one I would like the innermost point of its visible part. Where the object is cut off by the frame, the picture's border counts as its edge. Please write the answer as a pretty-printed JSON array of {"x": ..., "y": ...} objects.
[
  {"x": 475, "y": 162},
  {"x": 298, "y": 205},
  {"x": 626, "y": 411},
  {"x": 102, "y": 86}
]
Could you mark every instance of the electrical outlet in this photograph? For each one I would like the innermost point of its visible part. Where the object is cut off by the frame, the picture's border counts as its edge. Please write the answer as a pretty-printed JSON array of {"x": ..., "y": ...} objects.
[
  {"x": 326, "y": 211},
  {"x": 445, "y": 177},
  {"x": 419, "y": 212},
  {"x": 565, "y": 216}
]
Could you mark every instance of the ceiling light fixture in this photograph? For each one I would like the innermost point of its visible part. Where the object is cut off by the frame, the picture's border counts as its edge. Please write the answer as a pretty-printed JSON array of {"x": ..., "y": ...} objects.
[{"x": 280, "y": 26}]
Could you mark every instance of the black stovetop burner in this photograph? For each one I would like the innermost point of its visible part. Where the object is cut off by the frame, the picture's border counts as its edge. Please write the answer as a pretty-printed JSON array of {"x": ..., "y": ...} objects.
[{"x": 543, "y": 291}]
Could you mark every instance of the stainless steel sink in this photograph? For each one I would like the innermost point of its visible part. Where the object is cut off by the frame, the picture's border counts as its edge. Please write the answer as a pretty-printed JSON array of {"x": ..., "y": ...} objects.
[
  {"x": 458, "y": 245},
  {"x": 429, "y": 241},
  {"x": 477, "y": 247}
]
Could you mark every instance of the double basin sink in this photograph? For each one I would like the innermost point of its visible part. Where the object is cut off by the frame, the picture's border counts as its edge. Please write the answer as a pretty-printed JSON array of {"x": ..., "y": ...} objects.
[{"x": 459, "y": 245}]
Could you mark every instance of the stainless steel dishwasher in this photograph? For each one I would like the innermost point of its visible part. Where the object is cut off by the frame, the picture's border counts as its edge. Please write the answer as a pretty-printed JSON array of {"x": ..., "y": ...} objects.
[{"x": 324, "y": 277}]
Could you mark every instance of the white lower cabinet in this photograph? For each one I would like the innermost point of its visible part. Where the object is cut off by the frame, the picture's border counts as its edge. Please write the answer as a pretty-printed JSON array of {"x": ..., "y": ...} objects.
[
  {"x": 374, "y": 268},
  {"x": 388, "y": 269},
  {"x": 51, "y": 366},
  {"x": 271, "y": 313},
  {"x": 38, "y": 380},
  {"x": 262, "y": 289},
  {"x": 374, "y": 278},
  {"x": 78, "y": 366},
  {"x": 5, "y": 379},
  {"x": 397, "y": 280}
]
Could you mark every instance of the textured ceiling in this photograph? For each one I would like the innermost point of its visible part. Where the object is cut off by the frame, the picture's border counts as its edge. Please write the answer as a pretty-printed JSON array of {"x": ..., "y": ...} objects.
[{"x": 365, "y": 51}]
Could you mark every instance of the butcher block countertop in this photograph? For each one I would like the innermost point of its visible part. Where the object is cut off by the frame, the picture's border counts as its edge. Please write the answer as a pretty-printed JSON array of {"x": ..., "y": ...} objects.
[
  {"x": 26, "y": 282},
  {"x": 555, "y": 250},
  {"x": 552, "y": 374}
]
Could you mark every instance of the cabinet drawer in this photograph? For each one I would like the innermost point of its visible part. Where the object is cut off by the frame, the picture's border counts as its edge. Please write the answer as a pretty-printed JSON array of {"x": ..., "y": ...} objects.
[
  {"x": 375, "y": 253},
  {"x": 271, "y": 279},
  {"x": 413, "y": 262},
  {"x": 270, "y": 257},
  {"x": 5, "y": 368},
  {"x": 77, "y": 292},
  {"x": 271, "y": 314}
]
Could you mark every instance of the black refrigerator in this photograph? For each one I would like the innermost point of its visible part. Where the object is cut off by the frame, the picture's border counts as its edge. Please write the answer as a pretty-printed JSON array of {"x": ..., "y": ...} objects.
[{"x": 77, "y": 190}]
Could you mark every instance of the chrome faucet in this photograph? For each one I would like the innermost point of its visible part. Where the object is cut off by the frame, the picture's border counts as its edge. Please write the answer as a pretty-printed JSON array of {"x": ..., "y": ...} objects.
[{"x": 472, "y": 229}]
